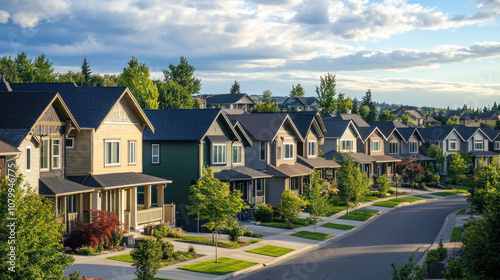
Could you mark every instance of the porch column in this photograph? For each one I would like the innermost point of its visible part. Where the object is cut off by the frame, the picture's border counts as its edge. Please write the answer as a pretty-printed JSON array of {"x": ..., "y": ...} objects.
[
  {"x": 63, "y": 208},
  {"x": 56, "y": 205},
  {"x": 133, "y": 207},
  {"x": 96, "y": 200},
  {"x": 161, "y": 195},
  {"x": 80, "y": 207},
  {"x": 147, "y": 196},
  {"x": 120, "y": 206}
]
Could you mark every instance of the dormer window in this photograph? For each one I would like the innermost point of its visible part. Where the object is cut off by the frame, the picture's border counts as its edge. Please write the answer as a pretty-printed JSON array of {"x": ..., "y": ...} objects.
[
  {"x": 452, "y": 145},
  {"x": 376, "y": 146},
  {"x": 288, "y": 152},
  {"x": 478, "y": 145},
  {"x": 346, "y": 145},
  {"x": 311, "y": 148}
]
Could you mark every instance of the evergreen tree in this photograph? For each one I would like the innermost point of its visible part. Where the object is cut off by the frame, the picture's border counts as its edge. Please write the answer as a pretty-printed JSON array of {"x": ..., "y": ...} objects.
[
  {"x": 183, "y": 74},
  {"x": 235, "y": 88},
  {"x": 25, "y": 68},
  {"x": 386, "y": 116},
  {"x": 326, "y": 94},
  {"x": 8, "y": 66},
  {"x": 495, "y": 106},
  {"x": 44, "y": 70},
  {"x": 86, "y": 72},
  {"x": 297, "y": 91},
  {"x": 355, "y": 106},
  {"x": 367, "y": 101}
]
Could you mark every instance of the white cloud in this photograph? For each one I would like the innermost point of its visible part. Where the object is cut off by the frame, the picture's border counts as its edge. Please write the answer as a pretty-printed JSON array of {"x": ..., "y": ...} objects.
[
  {"x": 4, "y": 16},
  {"x": 30, "y": 13}
]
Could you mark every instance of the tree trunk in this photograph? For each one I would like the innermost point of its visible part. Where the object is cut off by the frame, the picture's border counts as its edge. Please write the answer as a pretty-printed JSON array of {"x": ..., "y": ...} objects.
[{"x": 216, "y": 248}]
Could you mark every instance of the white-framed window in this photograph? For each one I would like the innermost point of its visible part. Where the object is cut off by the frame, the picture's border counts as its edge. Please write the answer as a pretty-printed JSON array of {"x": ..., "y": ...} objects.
[
  {"x": 263, "y": 150},
  {"x": 70, "y": 142},
  {"x": 56, "y": 153},
  {"x": 413, "y": 147},
  {"x": 311, "y": 148},
  {"x": 497, "y": 145},
  {"x": 347, "y": 145},
  {"x": 288, "y": 152},
  {"x": 393, "y": 148},
  {"x": 155, "y": 153},
  {"x": 452, "y": 145},
  {"x": 112, "y": 152},
  {"x": 478, "y": 145},
  {"x": 44, "y": 154},
  {"x": 219, "y": 153},
  {"x": 28, "y": 159},
  {"x": 132, "y": 152},
  {"x": 376, "y": 146},
  {"x": 237, "y": 154}
]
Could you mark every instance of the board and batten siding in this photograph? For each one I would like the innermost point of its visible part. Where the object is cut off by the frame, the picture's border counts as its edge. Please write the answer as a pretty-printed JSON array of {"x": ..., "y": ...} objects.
[
  {"x": 252, "y": 156},
  {"x": 78, "y": 158},
  {"x": 179, "y": 162}
]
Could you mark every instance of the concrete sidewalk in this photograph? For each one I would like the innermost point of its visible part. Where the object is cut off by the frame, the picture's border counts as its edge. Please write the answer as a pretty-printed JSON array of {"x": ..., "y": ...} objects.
[{"x": 99, "y": 266}]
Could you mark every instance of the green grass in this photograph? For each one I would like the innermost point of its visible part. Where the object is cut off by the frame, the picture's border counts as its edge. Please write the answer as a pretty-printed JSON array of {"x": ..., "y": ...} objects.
[
  {"x": 422, "y": 196},
  {"x": 370, "y": 198},
  {"x": 297, "y": 223},
  {"x": 313, "y": 235},
  {"x": 450, "y": 193},
  {"x": 386, "y": 203},
  {"x": 462, "y": 212},
  {"x": 224, "y": 266},
  {"x": 122, "y": 258},
  {"x": 456, "y": 234},
  {"x": 228, "y": 245},
  {"x": 406, "y": 199},
  {"x": 335, "y": 209},
  {"x": 270, "y": 250},
  {"x": 338, "y": 226},
  {"x": 361, "y": 215}
]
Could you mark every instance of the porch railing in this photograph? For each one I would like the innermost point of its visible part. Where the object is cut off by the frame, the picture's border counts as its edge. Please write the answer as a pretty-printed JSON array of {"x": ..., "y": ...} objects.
[
  {"x": 150, "y": 215},
  {"x": 72, "y": 220},
  {"x": 257, "y": 199}
]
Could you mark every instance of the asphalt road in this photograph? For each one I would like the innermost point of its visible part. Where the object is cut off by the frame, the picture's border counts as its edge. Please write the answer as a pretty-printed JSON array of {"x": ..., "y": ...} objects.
[{"x": 369, "y": 252}]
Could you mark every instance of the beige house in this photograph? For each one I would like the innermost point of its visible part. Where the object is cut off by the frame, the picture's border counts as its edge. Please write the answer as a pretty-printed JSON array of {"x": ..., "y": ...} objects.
[{"x": 7, "y": 153}]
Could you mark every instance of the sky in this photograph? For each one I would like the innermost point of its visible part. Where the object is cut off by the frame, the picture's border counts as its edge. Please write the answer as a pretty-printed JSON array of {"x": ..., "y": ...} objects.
[{"x": 423, "y": 53}]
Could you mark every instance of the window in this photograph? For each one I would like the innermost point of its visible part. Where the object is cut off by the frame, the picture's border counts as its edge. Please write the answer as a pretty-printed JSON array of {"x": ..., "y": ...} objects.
[
  {"x": 375, "y": 146},
  {"x": 155, "y": 153},
  {"x": 132, "y": 152},
  {"x": 294, "y": 183},
  {"x": 263, "y": 150},
  {"x": 393, "y": 148},
  {"x": 237, "y": 154},
  {"x": 413, "y": 147},
  {"x": 288, "y": 151},
  {"x": 28, "y": 159},
  {"x": 478, "y": 145},
  {"x": 260, "y": 185},
  {"x": 311, "y": 151},
  {"x": 219, "y": 153},
  {"x": 70, "y": 142},
  {"x": 112, "y": 152},
  {"x": 71, "y": 203},
  {"x": 44, "y": 154},
  {"x": 452, "y": 145},
  {"x": 56, "y": 153},
  {"x": 346, "y": 145},
  {"x": 497, "y": 145}
]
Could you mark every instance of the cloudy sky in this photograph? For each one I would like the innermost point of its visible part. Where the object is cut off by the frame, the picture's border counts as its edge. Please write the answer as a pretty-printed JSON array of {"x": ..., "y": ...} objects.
[{"x": 438, "y": 53}]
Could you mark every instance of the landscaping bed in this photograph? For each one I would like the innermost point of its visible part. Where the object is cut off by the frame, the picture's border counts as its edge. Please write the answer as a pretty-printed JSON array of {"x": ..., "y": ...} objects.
[
  {"x": 270, "y": 250},
  {"x": 223, "y": 266}
]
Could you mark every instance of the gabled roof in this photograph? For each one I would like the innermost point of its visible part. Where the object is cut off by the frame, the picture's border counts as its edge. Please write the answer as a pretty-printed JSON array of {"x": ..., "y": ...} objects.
[
  {"x": 391, "y": 124},
  {"x": 184, "y": 124},
  {"x": 118, "y": 180},
  {"x": 437, "y": 133},
  {"x": 354, "y": 117},
  {"x": 407, "y": 132},
  {"x": 228, "y": 98},
  {"x": 304, "y": 121},
  {"x": 366, "y": 132},
  {"x": 289, "y": 170},
  {"x": 22, "y": 110},
  {"x": 399, "y": 112},
  {"x": 468, "y": 132},
  {"x": 265, "y": 126},
  {"x": 243, "y": 135},
  {"x": 430, "y": 119},
  {"x": 55, "y": 186},
  {"x": 492, "y": 134},
  {"x": 305, "y": 101},
  {"x": 89, "y": 105},
  {"x": 336, "y": 128},
  {"x": 317, "y": 162},
  {"x": 8, "y": 150},
  {"x": 489, "y": 115}
]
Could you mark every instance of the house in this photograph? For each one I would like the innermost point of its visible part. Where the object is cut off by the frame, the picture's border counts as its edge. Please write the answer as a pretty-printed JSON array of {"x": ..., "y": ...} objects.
[
  {"x": 476, "y": 144},
  {"x": 7, "y": 152},
  {"x": 465, "y": 117},
  {"x": 494, "y": 135},
  {"x": 415, "y": 114},
  {"x": 410, "y": 147},
  {"x": 185, "y": 141},
  {"x": 275, "y": 145},
  {"x": 446, "y": 137},
  {"x": 37, "y": 124},
  {"x": 430, "y": 121},
  {"x": 104, "y": 154},
  {"x": 489, "y": 118},
  {"x": 230, "y": 101},
  {"x": 356, "y": 119},
  {"x": 299, "y": 104}
]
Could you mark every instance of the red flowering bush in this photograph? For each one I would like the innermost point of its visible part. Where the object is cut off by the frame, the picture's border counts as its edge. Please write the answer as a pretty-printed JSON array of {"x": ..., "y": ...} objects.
[{"x": 103, "y": 231}]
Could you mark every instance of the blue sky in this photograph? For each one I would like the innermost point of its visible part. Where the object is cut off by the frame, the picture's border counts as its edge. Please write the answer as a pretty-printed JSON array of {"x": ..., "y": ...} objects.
[{"x": 437, "y": 53}]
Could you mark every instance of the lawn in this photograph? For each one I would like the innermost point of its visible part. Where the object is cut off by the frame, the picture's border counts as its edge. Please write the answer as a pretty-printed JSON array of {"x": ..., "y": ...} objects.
[
  {"x": 281, "y": 224},
  {"x": 370, "y": 198},
  {"x": 228, "y": 245},
  {"x": 313, "y": 235},
  {"x": 122, "y": 258},
  {"x": 335, "y": 209},
  {"x": 270, "y": 250},
  {"x": 450, "y": 193},
  {"x": 456, "y": 234},
  {"x": 462, "y": 212},
  {"x": 422, "y": 196},
  {"x": 361, "y": 215},
  {"x": 386, "y": 203},
  {"x": 338, "y": 226},
  {"x": 224, "y": 266}
]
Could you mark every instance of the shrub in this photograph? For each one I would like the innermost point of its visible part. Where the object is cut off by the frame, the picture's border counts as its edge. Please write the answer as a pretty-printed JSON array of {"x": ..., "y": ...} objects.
[
  {"x": 432, "y": 256},
  {"x": 443, "y": 252},
  {"x": 264, "y": 213},
  {"x": 102, "y": 232},
  {"x": 235, "y": 231},
  {"x": 408, "y": 271},
  {"x": 147, "y": 258},
  {"x": 383, "y": 185},
  {"x": 176, "y": 234},
  {"x": 250, "y": 233},
  {"x": 167, "y": 249},
  {"x": 85, "y": 251},
  {"x": 162, "y": 231},
  {"x": 454, "y": 271},
  {"x": 191, "y": 249},
  {"x": 391, "y": 191}
]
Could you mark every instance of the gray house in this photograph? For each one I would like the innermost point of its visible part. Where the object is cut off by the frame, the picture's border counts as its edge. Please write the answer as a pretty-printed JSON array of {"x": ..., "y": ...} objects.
[{"x": 230, "y": 101}]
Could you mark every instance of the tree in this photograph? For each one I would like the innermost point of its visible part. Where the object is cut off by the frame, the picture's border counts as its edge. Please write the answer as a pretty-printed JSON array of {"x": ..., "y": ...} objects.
[
  {"x": 25, "y": 68},
  {"x": 343, "y": 104},
  {"x": 267, "y": 105},
  {"x": 147, "y": 258},
  {"x": 183, "y": 75},
  {"x": 290, "y": 206},
  {"x": 497, "y": 125},
  {"x": 486, "y": 178},
  {"x": 408, "y": 271},
  {"x": 409, "y": 169},
  {"x": 136, "y": 77},
  {"x": 355, "y": 106},
  {"x": 32, "y": 243},
  {"x": 317, "y": 198},
  {"x": 326, "y": 94},
  {"x": 453, "y": 121},
  {"x": 172, "y": 95},
  {"x": 212, "y": 200},
  {"x": 406, "y": 118},
  {"x": 364, "y": 111},
  {"x": 86, "y": 72},
  {"x": 353, "y": 184},
  {"x": 8, "y": 66},
  {"x": 297, "y": 91},
  {"x": 235, "y": 88},
  {"x": 383, "y": 185},
  {"x": 386, "y": 116},
  {"x": 44, "y": 70},
  {"x": 371, "y": 116},
  {"x": 457, "y": 169},
  {"x": 436, "y": 152}
]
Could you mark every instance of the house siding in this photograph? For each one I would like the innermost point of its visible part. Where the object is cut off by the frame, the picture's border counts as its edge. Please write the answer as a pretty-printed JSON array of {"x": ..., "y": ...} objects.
[
  {"x": 32, "y": 176},
  {"x": 275, "y": 188},
  {"x": 79, "y": 158}
]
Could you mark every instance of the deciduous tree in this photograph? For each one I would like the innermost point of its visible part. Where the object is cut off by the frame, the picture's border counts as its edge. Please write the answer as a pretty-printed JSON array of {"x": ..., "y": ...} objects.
[
  {"x": 436, "y": 152},
  {"x": 353, "y": 184},
  {"x": 297, "y": 91},
  {"x": 325, "y": 94},
  {"x": 457, "y": 169},
  {"x": 136, "y": 77},
  {"x": 267, "y": 105},
  {"x": 290, "y": 206},
  {"x": 386, "y": 116},
  {"x": 316, "y": 198}
]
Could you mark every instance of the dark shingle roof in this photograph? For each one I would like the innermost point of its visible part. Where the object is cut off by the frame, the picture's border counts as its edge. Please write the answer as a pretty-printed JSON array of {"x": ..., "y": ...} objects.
[
  {"x": 358, "y": 121},
  {"x": 317, "y": 162},
  {"x": 335, "y": 128},
  {"x": 13, "y": 137},
  {"x": 289, "y": 170},
  {"x": 240, "y": 173},
  {"x": 304, "y": 101},
  {"x": 58, "y": 186},
  {"x": 399, "y": 112},
  {"x": 467, "y": 132},
  {"x": 303, "y": 121},
  {"x": 22, "y": 110},
  {"x": 180, "y": 124},
  {"x": 489, "y": 115},
  {"x": 392, "y": 124},
  {"x": 436, "y": 133},
  {"x": 406, "y": 133},
  {"x": 492, "y": 134},
  {"x": 115, "y": 180},
  {"x": 358, "y": 157},
  {"x": 226, "y": 98},
  {"x": 366, "y": 132},
  {"x": 261, "y": 126},
  {"x": 6, "y": 149}
]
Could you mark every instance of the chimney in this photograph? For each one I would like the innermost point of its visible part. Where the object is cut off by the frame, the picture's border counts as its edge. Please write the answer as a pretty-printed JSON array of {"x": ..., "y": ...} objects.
[
  {"x": 348, "y": 111},
  {"x": 4, "y": 83}
]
